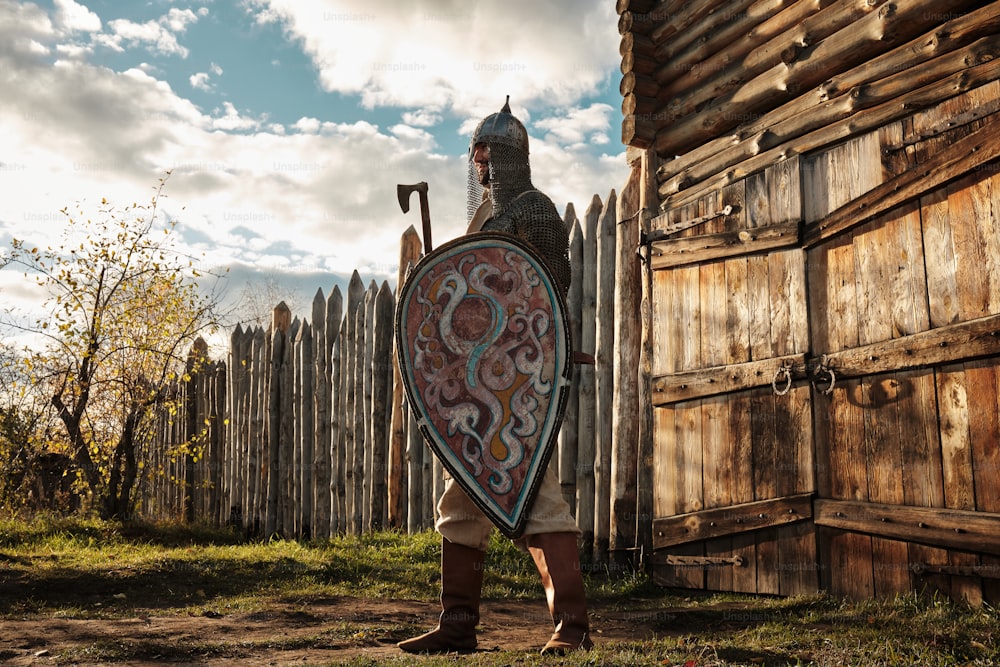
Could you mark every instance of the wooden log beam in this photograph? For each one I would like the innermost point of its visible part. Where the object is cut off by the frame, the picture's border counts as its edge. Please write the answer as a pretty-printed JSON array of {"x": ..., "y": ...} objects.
[
  {"x": 660, "y": 17},
  {"x": 381, "y": 367},
  {"x": 692, "y": 22},
  {"x": 724, "y": 521},
  {"x": 688, "y": 385},
  {"x": 902, "y": 61},
  {"x": 862, "y": 40},
  {"x": 410, "y": 247},
  {"x": 640, "y": 46},
  {"x": 707, "y": 247},
  {"x": 638, "y": 130},
  {"x": 848, "y": 92},
  {"x": 568, "y": 433},
  {"x": 937, "y": 526},
  {"x": 641, "y": 23},
  {"x": 638, "y": 84},
  {"x": 986, "y": 570},
  {"x": 638, "y": 6},
  {"x": 638, "y": 63},
  {"x": 801, "y": 67},
  {"x": 711, "y": 51},
  {"x": 625, "y": 394},
  {"x": 634, "y": 105},
  {"x": 604, "y": 370},
  {"x": 961, "y": 157},
  {"x": 826, "y": 134},
  {"x": 805, "y": 22},
  {"x": 587, "y": 277}
]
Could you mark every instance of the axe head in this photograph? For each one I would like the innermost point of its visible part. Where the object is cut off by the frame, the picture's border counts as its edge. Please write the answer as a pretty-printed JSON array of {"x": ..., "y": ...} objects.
[{"x": 403, "y": 194}]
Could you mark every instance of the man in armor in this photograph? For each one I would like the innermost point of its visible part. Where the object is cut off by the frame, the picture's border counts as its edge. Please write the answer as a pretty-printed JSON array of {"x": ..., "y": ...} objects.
[{"x": 502, "y": 198}]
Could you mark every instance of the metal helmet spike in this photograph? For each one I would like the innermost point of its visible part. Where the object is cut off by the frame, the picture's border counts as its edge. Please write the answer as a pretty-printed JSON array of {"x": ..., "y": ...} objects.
[{"x": 501, "y": 128}]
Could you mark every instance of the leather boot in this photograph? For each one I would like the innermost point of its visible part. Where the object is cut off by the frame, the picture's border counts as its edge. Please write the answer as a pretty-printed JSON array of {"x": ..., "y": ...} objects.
[
  {"x": 461, "y": 589},
  {"x": 558, "y": 561}
]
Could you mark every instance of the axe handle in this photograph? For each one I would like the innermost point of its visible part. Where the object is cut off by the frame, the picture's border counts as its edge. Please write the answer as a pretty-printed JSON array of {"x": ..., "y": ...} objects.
[{"x": 425, "y": 218}]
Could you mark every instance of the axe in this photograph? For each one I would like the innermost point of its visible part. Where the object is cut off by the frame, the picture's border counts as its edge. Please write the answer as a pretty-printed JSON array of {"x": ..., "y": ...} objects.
[{"x": 403, "y": 194}]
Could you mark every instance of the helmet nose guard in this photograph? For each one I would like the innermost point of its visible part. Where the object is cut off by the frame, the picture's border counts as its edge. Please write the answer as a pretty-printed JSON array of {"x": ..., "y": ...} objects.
[{"x": 500, "y": 128}]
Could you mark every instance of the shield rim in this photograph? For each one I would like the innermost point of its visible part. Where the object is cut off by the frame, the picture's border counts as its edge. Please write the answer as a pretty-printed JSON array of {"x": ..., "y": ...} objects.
[{"x": 562, "y": 376}]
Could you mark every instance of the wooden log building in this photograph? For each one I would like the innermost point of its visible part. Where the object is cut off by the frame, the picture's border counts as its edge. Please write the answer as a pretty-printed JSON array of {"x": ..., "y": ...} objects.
[{"x": 819, "y": 199}]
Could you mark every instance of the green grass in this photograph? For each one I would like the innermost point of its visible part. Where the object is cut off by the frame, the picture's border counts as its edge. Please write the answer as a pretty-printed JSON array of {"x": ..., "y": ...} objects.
[{"x": 55, "y": 569}]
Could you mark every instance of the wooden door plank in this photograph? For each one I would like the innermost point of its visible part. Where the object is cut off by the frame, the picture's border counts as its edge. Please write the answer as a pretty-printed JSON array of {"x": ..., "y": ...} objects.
[
  {"x": 717, "y": 446},
  {"x": 738, "y": 325},
  {"x": 876, "y": 247},
  {"x": 965, "y": 204},
  {"x": 797, "y": 565},
  {"x": 784, "y": 191},
  {"x": 761, "y": 402},
  {"x": 956, "y": 454},
  {"x": 983, "y": 378},
  {"x": 942, "y": 281},
  {"x": 989, "y": 226},
  {"x": 849, "y": 555},
  {"x": 921, "y": 461},
  {"x": 665, "y": 477},
  {"x": 664, "y": 329},
  {"x": 758, "y": 200},
  {"x": 767, "y": 562},
  {"x": 985, "y": 406}
]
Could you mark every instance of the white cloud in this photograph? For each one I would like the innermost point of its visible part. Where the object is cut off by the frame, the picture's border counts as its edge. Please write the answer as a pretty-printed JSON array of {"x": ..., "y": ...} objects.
[
  {"x": 421, "y": 118},
  {"x": 307, "y": 125},
  {"x": 177, "y": 20},
  {"x": 577, "y": 126},
  {"x": 414, "y": 137},
  {"x": 73, "y": 17},
  {"x": 159, "y": 36},
  {"x": 231, "y": 120},
  {"x": 463, "y": 56},
  {"x": 23, "y": 25},
  {"x": 150, "y": 34},
  {"x": 199, "y": 80}
]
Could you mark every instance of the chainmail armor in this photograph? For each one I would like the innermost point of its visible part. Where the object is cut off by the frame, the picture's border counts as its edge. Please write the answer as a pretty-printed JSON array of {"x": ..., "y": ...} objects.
[
  {"x": 518, "y": 208},
  {"x": 533, "y": 217}
]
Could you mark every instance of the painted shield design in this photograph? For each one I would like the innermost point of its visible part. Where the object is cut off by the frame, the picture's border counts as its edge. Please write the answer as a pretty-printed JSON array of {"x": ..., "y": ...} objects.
[{"x": 484, "y": 352}]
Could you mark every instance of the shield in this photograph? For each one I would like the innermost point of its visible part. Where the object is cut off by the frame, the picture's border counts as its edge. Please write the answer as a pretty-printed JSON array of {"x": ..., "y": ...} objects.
[{"x": 484, "y": 352}]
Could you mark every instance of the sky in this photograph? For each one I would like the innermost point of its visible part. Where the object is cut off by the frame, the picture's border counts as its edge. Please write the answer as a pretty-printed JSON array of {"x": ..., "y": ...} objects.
[{"x": 286, "y": 124}]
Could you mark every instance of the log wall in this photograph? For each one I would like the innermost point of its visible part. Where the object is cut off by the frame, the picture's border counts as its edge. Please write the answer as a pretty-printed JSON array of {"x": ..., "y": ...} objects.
[{"x": 823, "y": 318}]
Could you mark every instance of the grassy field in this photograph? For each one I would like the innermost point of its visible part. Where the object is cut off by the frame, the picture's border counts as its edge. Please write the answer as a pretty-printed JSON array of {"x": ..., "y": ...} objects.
[{"x": 54, "y": 570}]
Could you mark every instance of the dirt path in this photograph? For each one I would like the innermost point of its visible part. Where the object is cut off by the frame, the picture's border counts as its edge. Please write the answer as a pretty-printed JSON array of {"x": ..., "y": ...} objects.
[{"x": 328, "y": 631}]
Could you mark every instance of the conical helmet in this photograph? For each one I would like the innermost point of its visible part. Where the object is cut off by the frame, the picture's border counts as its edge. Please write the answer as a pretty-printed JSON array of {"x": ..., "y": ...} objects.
[{"x": 501, "y": 128}]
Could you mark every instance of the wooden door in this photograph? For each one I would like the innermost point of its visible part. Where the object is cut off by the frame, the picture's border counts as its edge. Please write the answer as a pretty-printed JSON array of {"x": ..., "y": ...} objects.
[{"x": 734, "y": 467}]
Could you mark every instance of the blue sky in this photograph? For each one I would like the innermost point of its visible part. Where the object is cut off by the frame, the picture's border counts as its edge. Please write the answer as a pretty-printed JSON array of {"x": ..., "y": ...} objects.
[{"x": 287, "y": 124}]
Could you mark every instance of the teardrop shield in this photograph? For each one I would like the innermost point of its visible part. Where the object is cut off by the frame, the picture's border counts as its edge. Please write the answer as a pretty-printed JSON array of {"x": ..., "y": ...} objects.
[{"x": 484, "y": 352}]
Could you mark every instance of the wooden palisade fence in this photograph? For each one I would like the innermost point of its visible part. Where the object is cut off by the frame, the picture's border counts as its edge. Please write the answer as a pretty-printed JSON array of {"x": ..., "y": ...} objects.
[{"x": 304, "y": 430}]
